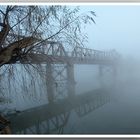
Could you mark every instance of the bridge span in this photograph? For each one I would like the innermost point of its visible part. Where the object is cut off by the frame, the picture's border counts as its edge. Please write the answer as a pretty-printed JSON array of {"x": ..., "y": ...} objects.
[
  {"x": 55, "y": 52},
  {"x": 60, "y": 63}
]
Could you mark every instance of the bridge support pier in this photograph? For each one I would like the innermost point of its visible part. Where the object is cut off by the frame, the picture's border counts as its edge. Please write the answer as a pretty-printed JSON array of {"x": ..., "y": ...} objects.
[
  {"x": 114, "y": 76},
  {"x": 70, "y": 80},
  {"x": 101, "y": 73},
  {"x": 50, "y": 82},
  {"x": 108, "y": 72}
]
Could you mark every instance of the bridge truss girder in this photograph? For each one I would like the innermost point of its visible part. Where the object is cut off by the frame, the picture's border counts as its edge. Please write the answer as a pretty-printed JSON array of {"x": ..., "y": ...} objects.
[{"x": 60, "y": 81}]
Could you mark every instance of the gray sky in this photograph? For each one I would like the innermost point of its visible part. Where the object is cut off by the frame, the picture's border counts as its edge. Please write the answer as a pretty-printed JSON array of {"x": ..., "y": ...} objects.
[{"x": 117, "y": 27}]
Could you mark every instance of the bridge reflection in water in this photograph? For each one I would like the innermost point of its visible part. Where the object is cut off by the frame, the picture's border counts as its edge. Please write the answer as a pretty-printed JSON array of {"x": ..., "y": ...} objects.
[{"x": 53, "y": 117}]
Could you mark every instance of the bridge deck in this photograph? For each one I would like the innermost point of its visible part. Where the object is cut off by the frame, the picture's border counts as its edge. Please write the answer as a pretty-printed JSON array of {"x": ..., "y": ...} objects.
[
  {"x": 54, "y": 52},
  {"x": 43, "y": 58}
]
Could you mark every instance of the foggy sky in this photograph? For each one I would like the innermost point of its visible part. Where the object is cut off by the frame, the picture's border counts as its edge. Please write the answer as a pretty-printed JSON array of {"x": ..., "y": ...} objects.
[{"x": 117, "y": 27}]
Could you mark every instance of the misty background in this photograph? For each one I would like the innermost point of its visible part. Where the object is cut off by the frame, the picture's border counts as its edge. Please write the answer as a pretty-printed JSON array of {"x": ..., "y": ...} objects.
[{"x": 117, "y": 27}]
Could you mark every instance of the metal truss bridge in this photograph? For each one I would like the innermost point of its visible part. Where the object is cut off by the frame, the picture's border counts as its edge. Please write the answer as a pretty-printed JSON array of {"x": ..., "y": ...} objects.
[
  {"x": 55, "y": 52},
  {"x": 60, "y": 65}
]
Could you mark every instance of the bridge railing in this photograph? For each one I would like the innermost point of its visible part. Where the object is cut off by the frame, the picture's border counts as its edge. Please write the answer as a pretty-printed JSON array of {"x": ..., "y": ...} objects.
[
  {"x": 50, "y": 48},
  {"x": 56, "y": 49},
  {"x": 93, "y": 54}
]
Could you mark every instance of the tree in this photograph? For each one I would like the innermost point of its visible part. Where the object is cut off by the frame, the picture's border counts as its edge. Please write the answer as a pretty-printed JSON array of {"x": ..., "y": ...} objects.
[{"x": 24, "y": 28}]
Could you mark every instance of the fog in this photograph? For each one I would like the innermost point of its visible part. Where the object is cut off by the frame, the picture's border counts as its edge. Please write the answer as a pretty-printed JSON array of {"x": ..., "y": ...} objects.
[{"x": 117, "y": 27}]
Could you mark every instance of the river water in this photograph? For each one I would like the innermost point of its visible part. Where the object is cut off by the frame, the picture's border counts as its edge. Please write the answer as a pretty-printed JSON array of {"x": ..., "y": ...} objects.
[
  {"x": 120, "y": 115},
  {"x": 114, "y": 117}
]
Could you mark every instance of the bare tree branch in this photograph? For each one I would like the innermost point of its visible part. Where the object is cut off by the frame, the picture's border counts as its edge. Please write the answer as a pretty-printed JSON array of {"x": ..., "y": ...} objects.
[
  {"x": 2, "y": 12},
  {"x": 23, "y": 18},
  {"x": 53, "y": 34}
]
